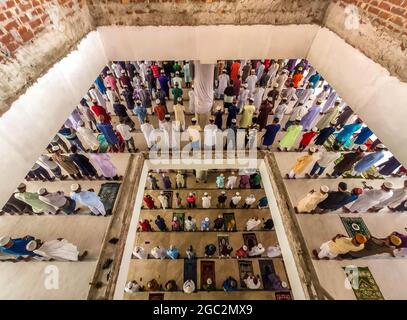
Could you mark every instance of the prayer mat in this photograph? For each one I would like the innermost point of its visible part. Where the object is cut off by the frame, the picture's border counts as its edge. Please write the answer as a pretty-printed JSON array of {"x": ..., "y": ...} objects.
[
  {"x": 245, "y": 269},
  {"x": 207, "y": 271},
  {"x": 169, "y": 195},
  {"x": 156, "y": 296},
  {"x": 250, "y": 240},
  {"x": 223, "y": 240},
  {"x": 230, "y": 222},
  {"x": 108, "y": 193},
  {"x": 363, "y": 284},
  {"x": 269, "y": 277},
  {"x": 354, "y": 226},
  {"x": 283, "y": 295},
  {"x": 190, "y": 272},
  {"x": 181, "y": 218}
]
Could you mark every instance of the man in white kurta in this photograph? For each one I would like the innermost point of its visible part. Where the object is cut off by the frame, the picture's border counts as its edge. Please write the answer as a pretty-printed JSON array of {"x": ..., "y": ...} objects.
[
  {"x": 371, "y": 198},
  {"x": 88, "y": 135},
  {"x": 146, "y": 128},
  {"x": 310, "y": 201},
  {"x": 206, "y": 201},
  {"x": 179, "y": 113},
  {"x": 89, "y": 199},
  {"x": 281, "y": 79},
  {"x": 158, "y": 252},
  {"x": 191, "y": 95},
  {"x": 258, "y": 96},
  {"x": 231, "y": 183},
  {"x": 163, "y": 200},
  {"x": 96, "y": 95},
  {"x": 223, "y": 82},
  {"x": 210, "y": 132},
  {"x": 251, "y": 81},
  {"x": 399, "y": 195}
]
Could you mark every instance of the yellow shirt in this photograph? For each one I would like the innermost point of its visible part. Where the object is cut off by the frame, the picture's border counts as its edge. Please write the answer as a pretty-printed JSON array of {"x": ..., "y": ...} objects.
[{"x": 344, "y": 245}]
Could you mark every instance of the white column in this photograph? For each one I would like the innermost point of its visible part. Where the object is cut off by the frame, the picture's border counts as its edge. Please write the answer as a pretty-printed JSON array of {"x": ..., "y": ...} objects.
[{"x": 203, "y": 88}]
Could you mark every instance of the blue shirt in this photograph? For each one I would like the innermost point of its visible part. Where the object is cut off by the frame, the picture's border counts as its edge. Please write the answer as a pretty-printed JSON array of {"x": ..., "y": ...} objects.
[{"x": 18, "y": 247}]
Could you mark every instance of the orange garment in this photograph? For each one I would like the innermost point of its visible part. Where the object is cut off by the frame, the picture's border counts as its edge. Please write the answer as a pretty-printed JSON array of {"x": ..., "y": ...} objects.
[
  {"x": 296, "y": 79},
  {"x": 234, "y": 70}
]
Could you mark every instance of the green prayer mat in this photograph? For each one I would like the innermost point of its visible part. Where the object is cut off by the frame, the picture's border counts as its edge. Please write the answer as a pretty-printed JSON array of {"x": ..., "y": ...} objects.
[
  {"x": 245, "y": 270},
  {"x": 207, "y": 271},
  {"x": 363, "y": 284},
  {"x": 181, "y": 218},
  {"x": 108, "y": 193},
  {"x": 230, "y": 222},
  {"x": 354, "y": 226}
]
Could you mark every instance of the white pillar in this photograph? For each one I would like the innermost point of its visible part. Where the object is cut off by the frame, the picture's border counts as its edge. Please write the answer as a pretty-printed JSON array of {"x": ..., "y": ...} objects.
[{"x": 203, "y": 88}]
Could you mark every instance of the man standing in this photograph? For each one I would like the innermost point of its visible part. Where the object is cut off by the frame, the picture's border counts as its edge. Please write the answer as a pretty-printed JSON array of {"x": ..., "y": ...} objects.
[
  {"x": 271, "y": 133},
  {"x": 66, "y": 163},
  {"x": 308, "y": 121},
  {"x": 325, "y": 159},
  {"x": 223, "y": 82},
  {"x": 179, "y": 113},
  {"x": 369, "y": 160},
  {"x": 235, "y": 200},
  {"x": 335, "y": 199},
  {"x": 194, "y": 134},
  {"x": 264, "y": 111},
  {"x": 177, "y": 93},
  {"x": 247, "y": 114},
  {"x": 348, "y": 160},
  {"x": 291, "y": 136},
  {"x": 210, "y": 134},
  {"x": 164, "y": 83},
  {"x": 87, "y": 169},
  {"x": 125, "y": 132},
  {"x": 88, "y": 198},
  {"x": 87, "y": 135},
  {"x": 302, "y": 163},
  {"x": 251, "y": 81},
  {"x": 49, "y": 163},
  {"x": 147, "y": 129}
]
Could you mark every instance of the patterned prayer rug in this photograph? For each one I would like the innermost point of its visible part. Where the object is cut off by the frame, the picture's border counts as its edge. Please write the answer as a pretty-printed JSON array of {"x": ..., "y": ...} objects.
[
  {"x": 269, "y": 277},
  {"x": 207, "y": 271},
  {"x": 363, "y": 284},
  {"x": 223, "y": 241},
  {"x": 190, "y": 272},
  {"x": 108, "y": 193},
  {"x": 250, "y": 240},
  {"x": 230, "y": 222},
  {"x": 181, "y": 218},
  {"x": 169, "y": 195},
  {"x": 245, "y": 269},
  {"x": 355, "y": 225},
  {"x": 283, "y": 295}
]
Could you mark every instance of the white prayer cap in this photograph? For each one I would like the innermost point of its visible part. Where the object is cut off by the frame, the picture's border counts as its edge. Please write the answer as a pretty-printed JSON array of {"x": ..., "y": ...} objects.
[
  {"x": 123, "y": 71},
  {"x": 167, "y": 116},
  {"x": 224, "y": 70},
  {"x": 269, "y": 98},
  {"x": 21, "y": 185},
  {"x": 31, "y": 246},
  {"x": 4, "y": 240},
  {"x": 139, "y": 101},
  {"x": 388, "y": 185},
  {"x": 333, "y": 122},
  {"x": 74, "y": 187},
  {"x": 363, "y": 147},
  {"x": 161, "y": 192},
  {"x": 320, "y": 100},
  {"x": 109, "y": 72},
  {"x": 244, "y": 248},
  {"x": 324, "y": 188},
  {"x": 275, "y": 85},
  {"x": 314, "y": 129},
  {"x": 298, "y": 119},
  {"x": 192, "y": 86},
  {"x": 223, "y": 192},
  {"x": 41, "y": 191},
  {"x": 206, "y": 193},
  {"x": 207, "y": 219},
  {"x": 237, "y": 193},
  {"x": 380, "y": 146},
  {"x": 190, "y": 194},
  {"x": 313, "y": 149},
  {"x": 175, "y": 218},
  {"x": 251, "y": 99},
  {"x": 95, "y": 147},
  {"x": 234, "y": 120},
  {"x": 221, "y": 174},
  {"x": 81, "y": 123},
  {"x": 55, "y": 148},
  {"x": 219, "y": 108},
  {"x": 179, "y": 99},
  {"x": 189, "y": 286},
  {"x": 253, "y": 70},
  {"x": 176, "y": 72},
  {"x": 193, "y": 119},
  {"x": 245, "y": 85},
  {"x": 157, "y": 101}
]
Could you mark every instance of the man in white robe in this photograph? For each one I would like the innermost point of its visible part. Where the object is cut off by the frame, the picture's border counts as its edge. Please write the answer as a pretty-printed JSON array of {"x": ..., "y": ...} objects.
[
  {"x": 399, "y": 195},
  {"x": 146, "y": 128},
  {"x": 191, "y": 102},
  {"x": 310, "y": 201},
  {"x": 223, "y": 82},
  {"x": 371, "y": 198},
  {"x": 251, "y": 81}
]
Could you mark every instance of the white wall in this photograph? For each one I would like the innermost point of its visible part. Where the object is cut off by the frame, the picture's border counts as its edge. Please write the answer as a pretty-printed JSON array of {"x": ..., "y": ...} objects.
[
  {"x": 33, "y": 119},
  {"x": 378, "y": 98}
]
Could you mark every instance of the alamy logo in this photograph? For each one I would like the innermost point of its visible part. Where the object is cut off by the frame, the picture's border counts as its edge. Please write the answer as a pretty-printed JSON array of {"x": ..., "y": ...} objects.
[
  {"x": 352, "y": 277},
  {"x": 51, "y": 281}
]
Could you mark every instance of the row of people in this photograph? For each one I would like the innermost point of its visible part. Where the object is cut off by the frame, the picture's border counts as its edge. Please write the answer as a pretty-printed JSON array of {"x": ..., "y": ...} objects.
[
  {"x": 360, "y": 246},
  {"x": 29, "y": 247},
  {"x": 46, "y": 202},
  {"x": 192, "y": 198},
  {"x": 225, "y": 251},
  {"x": 366, "y": 199},
  {"x": 190, "y": 224}
]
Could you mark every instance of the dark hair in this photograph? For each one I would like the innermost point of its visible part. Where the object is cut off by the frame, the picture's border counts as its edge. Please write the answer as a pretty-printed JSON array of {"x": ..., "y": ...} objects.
[
  {"x": 343, "y": 185},
  {"x": 74, "y": 149}
]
